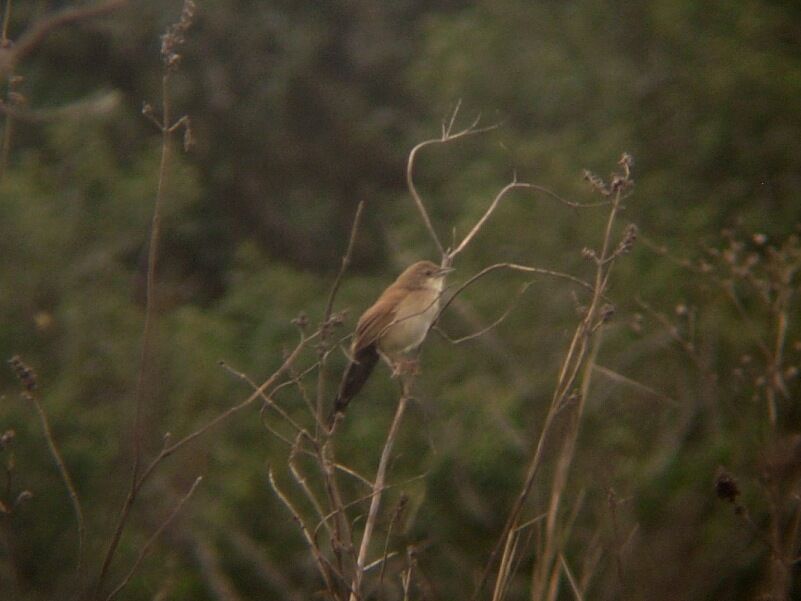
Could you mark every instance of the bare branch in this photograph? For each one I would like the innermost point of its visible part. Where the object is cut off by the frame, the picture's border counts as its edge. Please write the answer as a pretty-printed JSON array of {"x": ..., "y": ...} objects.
[
  {"x": 575, "y": 360},
  {"x": 446, "y": 137},
  {"x": 65, "y": 476},
  {"x": 146, "y": 547},
  {"x": 37, "y": 33},
  {"x": 170, "y": 449},
  {"x": 329, "y": 307},
  {"x": 378, "y": 486},
  {"x": 493, "y": 325},
  {"x": 514, "y": 267},
  {"x": 323, "y": 565},
  {"x": 514, "y": 185}
]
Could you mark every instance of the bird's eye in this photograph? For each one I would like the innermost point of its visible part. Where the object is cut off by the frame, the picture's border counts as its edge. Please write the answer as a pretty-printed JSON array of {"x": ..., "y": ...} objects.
[{"x": 428, "y": 272}]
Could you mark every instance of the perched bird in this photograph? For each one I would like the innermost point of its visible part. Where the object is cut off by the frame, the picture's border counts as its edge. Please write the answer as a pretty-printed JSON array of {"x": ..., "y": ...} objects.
[{"x": 395, "y": 325}]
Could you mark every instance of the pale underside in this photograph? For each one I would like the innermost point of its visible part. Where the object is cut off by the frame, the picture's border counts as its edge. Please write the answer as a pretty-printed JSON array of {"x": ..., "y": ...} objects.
[{"x": 402, "y": 330}]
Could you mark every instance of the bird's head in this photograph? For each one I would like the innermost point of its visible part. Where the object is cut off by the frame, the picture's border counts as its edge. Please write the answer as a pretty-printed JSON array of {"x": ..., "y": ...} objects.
[{"x": 424, "y": 274}]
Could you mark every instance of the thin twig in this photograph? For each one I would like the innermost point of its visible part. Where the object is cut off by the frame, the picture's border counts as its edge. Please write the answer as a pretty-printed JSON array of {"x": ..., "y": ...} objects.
[
  {"x": 396, "y": 516},
  {"x": 515, "y": 185},
  {"x": 37, "y": 33},
  {"x": 378, "y": 486},
  {"x": 6, "y": 19},
  {"x": 370, "y": 495},
  {"x": 146, "y": 350},
  {"x": 493, "y": 325},
  {"x": 621, "y": 379},
  {"x": 571, "y": 365},
  {"x": 169, "y": 449},
  {"x": 303, "y": 483},
  {"x": 329, "y": 307},
  {"x": 513, "y": 267},
  {"x": 146, "y": 547},
  {"x": 571, "y": 579},
  {"x": 323, "y": 565},
  {"x": 65, "y": 476},
  {"x": 9, "y": 124},
  {"x": 446, "y": 137}
]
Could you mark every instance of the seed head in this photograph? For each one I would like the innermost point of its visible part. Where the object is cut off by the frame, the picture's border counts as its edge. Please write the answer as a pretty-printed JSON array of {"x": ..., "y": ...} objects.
[{"x": 726, "y": 486}]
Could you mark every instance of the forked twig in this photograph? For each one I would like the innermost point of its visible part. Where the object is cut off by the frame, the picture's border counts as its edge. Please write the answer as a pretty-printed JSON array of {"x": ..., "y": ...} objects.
[
  {"x": 447, "y": 136},
  {"x": 491, "y": 326},
  {"x": 378, "y": 487},
  {"x": 169, "y": 449},
  {"x": 515, "y": 185},
  {"x": 65, "y": 476},
  {"x": 146, "y": 547},
  {"x": 513, "y": 267},
  {"x": 329, "y": 307},
  {"x": 323, "y": 565}
]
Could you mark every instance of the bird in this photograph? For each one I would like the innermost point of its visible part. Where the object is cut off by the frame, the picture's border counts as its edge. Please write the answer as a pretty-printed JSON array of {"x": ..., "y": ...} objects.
[{"x": 393, "y": 327}]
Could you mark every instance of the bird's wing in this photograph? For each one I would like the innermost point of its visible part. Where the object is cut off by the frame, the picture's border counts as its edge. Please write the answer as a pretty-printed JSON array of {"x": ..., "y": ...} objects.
[{"x": 374, "y": 322}]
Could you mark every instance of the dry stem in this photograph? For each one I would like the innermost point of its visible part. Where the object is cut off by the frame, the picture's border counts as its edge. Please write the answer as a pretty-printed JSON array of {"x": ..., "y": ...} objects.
[
  {"x": 573, "y": 362},
  {"x": 65, "y": 475},
  {"x": 146, "y": 547},
  {"x": 378, "y": 487},
  {"x": 36, "y": 34}
]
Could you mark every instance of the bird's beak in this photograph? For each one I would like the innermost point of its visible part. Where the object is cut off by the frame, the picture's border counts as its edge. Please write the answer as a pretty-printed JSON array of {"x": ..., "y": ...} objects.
[{"x": 443, "y": 271}]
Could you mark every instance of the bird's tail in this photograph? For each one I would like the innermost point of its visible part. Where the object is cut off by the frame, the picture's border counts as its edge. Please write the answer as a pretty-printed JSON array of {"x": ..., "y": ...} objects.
[{"x": 354, "y": 378}]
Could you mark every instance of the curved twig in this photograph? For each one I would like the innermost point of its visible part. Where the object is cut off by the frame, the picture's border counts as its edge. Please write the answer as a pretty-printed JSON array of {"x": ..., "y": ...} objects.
[
  {"x": 378, "y": 487},
  {"x": 514, "y": 267},
  {"x": 515, "y": 185},
  {"x": 493, "y": 325},
  {"x": 446, "y": 137},
  {"x": 36, "y": 34},
  {"x": 146, "y": 547}
]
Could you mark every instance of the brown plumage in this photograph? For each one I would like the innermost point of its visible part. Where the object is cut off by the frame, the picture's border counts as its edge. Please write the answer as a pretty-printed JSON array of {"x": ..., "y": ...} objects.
[{"x": 395, "y": 325}]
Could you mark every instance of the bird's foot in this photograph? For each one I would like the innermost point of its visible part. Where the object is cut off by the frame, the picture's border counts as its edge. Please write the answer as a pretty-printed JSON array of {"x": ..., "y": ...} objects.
[{"x": 406, "y": 367}]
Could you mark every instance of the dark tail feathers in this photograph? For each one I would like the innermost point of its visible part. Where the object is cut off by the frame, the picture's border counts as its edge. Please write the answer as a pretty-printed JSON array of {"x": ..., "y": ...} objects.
[{"x": 354, "y": 378}]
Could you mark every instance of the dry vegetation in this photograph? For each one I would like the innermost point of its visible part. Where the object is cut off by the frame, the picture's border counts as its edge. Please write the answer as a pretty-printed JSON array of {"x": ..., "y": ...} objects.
[{"x": 349, "y": 520}]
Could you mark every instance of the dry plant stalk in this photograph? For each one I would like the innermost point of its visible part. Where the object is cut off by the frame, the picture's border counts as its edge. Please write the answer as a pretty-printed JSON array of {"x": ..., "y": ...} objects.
[
  {"x": 758, "y": 278},
  {"x": 171, "y": 40},
  {"x": 141, "y": 473},
  {"x": 342, "y": 560},
  {"x": 27, "y": 378},
  {"x": 571, "y": 388}
]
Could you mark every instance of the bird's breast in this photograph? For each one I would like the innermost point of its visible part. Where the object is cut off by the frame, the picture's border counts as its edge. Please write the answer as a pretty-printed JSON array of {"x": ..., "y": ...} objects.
[{"x": 413, "y": 318}]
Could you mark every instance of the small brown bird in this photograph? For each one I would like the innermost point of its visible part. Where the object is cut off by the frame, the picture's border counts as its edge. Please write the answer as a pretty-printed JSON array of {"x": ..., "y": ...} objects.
[{"x": 394, "y": 326}]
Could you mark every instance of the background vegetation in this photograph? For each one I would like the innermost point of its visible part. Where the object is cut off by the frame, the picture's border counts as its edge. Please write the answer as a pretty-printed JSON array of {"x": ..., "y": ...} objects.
[{"x": 299, "y": 111}]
